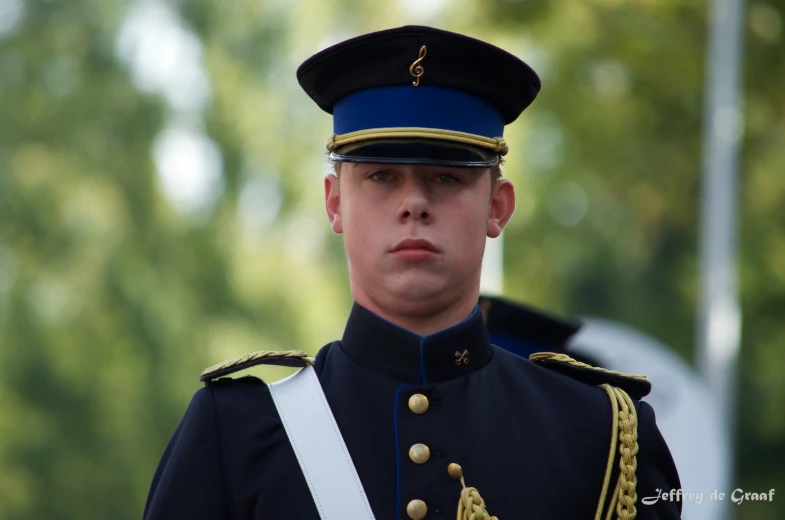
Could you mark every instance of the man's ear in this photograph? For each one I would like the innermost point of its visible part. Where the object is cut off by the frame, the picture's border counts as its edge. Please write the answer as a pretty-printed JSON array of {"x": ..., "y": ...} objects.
[
  {"x": 502, "y": 207},
  {"x": 332, "y": 202}
]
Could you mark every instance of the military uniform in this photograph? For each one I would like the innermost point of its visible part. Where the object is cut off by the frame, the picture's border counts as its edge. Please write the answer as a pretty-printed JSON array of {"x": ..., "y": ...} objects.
[{"x": 435, "y": 423}]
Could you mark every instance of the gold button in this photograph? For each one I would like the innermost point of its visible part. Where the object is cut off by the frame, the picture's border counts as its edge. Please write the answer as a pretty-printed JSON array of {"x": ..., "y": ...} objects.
[
  {"x": 418, "y": 403},
  {"x": 419, "y": 453},
  {"x": 455, "y": 471},
  {"x": 417, "y": 510}
]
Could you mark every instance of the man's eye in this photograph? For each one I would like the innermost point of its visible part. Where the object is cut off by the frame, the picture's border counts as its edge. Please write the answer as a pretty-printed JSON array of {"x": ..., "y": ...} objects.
[
  {"x": 446, "y": 178},
  {"x": 380, "y": 176}
]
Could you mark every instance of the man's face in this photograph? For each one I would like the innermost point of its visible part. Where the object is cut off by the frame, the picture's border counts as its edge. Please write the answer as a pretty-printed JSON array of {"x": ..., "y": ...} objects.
[{"x": 415, "y": 235}]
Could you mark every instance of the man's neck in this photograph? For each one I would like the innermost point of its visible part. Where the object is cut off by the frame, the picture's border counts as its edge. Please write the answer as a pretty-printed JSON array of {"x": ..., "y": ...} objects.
[{"x": 422, "y": 319}]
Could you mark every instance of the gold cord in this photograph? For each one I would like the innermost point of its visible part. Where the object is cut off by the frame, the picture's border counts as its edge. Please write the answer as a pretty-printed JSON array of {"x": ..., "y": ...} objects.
[
  {"x": 497, "y": 144},
  {"x": 628, "y": 435},
  {"x": 471, "y": 506},
  {"x": 612, "y": 505},
  {"x": 611, "y": 452},
  {"x": 625, "y": 435}
]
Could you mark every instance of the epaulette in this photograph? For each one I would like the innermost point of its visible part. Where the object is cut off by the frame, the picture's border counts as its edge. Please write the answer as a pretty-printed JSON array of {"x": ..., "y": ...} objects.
[
  {"x": 621, "y": 389},
  {"x": 635, "y": 385},
  {"x": 284, "y": 358}
]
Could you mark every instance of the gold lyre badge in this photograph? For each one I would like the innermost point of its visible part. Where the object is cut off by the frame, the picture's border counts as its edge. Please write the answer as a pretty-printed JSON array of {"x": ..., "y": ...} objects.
[
  {"x": 415, "y": 69},
  {"x": 463, "y": 357}
]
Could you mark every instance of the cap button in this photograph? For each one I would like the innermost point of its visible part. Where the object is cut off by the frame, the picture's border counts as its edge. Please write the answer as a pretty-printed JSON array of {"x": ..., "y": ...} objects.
[
  {"x": 416, "y": 509},
  {"x": 418, "y": 403},
  {"x": 419, "y": 453}
]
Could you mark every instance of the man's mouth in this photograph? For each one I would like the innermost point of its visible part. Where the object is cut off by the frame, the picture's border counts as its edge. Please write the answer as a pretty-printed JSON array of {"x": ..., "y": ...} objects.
[{"x": 415, "y": 244}]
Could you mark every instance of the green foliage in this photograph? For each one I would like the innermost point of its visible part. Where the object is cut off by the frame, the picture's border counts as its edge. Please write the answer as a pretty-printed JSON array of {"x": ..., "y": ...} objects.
[{"x": 112, "y": 299}]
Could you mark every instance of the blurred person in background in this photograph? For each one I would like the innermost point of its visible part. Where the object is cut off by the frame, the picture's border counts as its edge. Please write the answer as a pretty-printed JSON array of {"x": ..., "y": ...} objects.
[{"x": 431, "y": 413}]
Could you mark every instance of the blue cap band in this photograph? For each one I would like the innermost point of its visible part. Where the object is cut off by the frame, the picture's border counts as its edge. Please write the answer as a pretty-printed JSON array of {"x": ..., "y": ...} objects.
[{"x": 420, "y": 107}]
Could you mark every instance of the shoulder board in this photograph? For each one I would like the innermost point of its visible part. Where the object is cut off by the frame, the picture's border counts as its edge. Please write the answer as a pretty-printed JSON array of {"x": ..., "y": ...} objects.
[
  {"x": 636, "y": 386},
  {"x": 285, "y": 358}
]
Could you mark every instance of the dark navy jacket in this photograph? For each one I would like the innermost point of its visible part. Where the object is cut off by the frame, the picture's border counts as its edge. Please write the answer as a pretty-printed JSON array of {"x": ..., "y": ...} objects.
[{"x": 533, "y": 441}]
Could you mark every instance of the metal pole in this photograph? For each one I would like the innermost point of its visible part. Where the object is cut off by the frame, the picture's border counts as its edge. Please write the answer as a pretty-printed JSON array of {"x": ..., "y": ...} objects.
[{"x": 719, "y": 315}]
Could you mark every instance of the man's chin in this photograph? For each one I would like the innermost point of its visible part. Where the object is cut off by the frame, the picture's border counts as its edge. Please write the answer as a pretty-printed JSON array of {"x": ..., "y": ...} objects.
[{"x": 418, "y": 299}]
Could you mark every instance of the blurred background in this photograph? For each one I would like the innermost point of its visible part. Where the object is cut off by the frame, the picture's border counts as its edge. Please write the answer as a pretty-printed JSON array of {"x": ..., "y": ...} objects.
[{"x": 161, "y": 210}]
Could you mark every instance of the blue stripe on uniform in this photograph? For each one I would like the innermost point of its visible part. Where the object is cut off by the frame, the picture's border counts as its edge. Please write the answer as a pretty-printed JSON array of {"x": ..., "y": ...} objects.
[{"x": 421, "y": 380}]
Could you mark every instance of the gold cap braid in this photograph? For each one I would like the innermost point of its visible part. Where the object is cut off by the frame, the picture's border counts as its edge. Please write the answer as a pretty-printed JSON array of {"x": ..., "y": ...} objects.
[{"x": 496, "y": 144}]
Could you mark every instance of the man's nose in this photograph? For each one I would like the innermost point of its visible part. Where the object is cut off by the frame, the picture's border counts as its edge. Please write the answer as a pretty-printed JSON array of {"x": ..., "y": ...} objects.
[{"x": 415, "y": 204}]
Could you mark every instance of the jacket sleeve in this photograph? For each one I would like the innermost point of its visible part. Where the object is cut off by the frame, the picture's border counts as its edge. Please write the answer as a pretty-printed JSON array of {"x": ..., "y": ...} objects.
[
  {"x": 189, "y": 481},
  {"x": 656, "y": 471}
]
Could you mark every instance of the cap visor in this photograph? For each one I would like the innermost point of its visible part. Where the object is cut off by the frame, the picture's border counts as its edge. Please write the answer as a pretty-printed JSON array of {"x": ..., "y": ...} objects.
[{"x": 405, "y": 151}]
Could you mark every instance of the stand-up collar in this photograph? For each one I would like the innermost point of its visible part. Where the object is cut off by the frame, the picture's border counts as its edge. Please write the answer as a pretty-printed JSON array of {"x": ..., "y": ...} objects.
[{"x": 383, "y": 347}]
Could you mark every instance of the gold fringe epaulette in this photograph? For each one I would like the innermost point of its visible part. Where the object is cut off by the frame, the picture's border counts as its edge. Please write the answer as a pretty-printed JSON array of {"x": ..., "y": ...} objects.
[
  {"x": 621, "y": 389},
  {"x": 286, "y": 358},
  {"x": 636, "y": 385}
]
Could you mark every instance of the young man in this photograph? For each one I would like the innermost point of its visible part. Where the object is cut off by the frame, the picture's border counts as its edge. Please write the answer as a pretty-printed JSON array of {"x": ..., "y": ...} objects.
[{"x": 433, "y": 416}]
